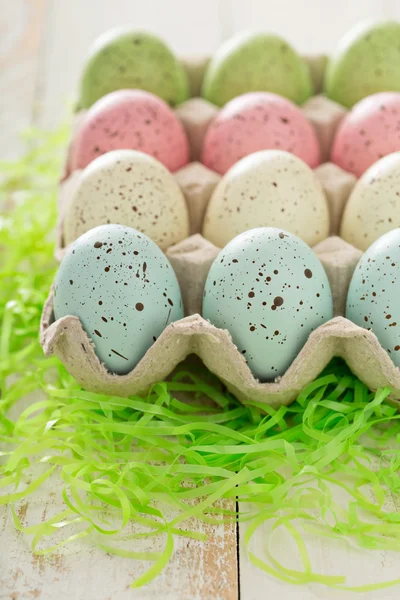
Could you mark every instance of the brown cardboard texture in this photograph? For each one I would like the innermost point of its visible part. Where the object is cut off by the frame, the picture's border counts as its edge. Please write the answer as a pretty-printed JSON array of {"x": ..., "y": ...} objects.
[
  {"x": 196, "y": 116},
  {"x": 193, "y": 335}
]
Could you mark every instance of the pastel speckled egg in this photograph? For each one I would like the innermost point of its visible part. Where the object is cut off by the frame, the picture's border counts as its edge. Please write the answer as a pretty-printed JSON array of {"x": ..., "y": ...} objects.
[
  {"x": 369, "y": 132},
  {"x": 268, "y": 188},
  {"x": 124, "y": 58},
  {"x": 374, "y": 204},
  {"x": 258, "y": 121},
  {"x": 270, "y": 291},
  {"x": 258, "y": 62},
  {"x": 129, "y": 188},
  {"x": 366, "y": 62},
  {"x": 123, "y": 290},
  {"x": 374, "y": 292},
  {"x": 131, "y": 119}
]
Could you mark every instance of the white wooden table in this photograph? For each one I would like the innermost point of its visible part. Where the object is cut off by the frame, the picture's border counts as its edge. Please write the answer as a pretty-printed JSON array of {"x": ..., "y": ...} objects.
[{"x": 42, "y": 43}]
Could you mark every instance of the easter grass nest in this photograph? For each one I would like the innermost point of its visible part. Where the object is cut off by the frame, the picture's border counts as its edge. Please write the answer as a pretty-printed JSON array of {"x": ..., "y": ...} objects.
[{"x": 119, "y": 460}]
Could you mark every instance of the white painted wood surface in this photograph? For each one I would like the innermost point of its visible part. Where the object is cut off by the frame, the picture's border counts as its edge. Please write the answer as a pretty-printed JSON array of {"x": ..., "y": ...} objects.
[
  {"x": 81, "y": 571},
  {"x": 328, "y": 557},
  {"x": 73, "y": 25},
  {"x": 313, "y": 26},
  {"x": 42, "y": 44},
  {"x": 21, "y": 34}
]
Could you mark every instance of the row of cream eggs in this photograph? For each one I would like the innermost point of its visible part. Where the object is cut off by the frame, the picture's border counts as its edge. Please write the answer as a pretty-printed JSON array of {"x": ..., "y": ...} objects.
[
  {"x": 268, "y": 188},
  {"x": 138, "y": 120},
  {"x": 266, "y": 287}
]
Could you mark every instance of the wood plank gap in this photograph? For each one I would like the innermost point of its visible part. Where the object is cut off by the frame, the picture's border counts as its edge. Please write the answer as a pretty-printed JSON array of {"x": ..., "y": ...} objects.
[{"x": 238, "y": 551}]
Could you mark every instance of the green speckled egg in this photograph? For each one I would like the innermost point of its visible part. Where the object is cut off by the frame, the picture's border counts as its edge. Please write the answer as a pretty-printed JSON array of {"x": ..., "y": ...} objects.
[
  {"x": 122, "y": 288},
  {"x": 367, "y": 61},
  {"x": 270, "y": 291},
  {"x": 374, "y": 292},
  {"x": 256, "y": 63},
  {"x": 124, "y": 59}
]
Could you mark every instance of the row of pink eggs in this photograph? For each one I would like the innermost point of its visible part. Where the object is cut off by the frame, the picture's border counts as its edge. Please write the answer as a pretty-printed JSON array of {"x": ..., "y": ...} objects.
[{"x": 255, "y": 121}]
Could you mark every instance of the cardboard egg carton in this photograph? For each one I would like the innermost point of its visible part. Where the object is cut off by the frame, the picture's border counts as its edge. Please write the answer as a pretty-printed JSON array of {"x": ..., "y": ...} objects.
[{"x": 191, "y": 260}]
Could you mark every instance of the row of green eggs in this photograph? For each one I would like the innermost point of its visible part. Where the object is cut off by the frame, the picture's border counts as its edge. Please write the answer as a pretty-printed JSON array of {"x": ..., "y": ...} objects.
[
  {"x": 366, "y": 62},
  {"x": 131, "y": 188},
  {"x": 266, "y": 287}
]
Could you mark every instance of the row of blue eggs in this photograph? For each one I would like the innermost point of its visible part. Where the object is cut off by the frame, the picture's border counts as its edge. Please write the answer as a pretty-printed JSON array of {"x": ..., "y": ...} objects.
[{"x": 266, "y": 287}]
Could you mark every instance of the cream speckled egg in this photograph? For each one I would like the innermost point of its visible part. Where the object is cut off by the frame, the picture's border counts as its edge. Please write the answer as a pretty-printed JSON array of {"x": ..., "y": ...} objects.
[
  {"x": 374, "y": 204},
  {"x": 270, "y": 291},
  {"x": 129, "y": 188},
  {"x": 122, "y": 288},
  {"x": 268, "y": 188}
]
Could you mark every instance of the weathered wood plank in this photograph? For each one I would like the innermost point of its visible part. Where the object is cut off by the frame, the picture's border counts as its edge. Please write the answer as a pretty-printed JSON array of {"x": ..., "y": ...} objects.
[
  {"x": 197, "y": 571},
  {"x": 21, "y": 28}
]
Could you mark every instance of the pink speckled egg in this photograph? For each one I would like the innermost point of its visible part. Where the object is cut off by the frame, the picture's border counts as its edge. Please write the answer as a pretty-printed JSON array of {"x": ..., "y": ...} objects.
[
  {"x": 370, "y": 131},
  {"x": 134, "y": 120},
  {"x": 258, "y": 121}
]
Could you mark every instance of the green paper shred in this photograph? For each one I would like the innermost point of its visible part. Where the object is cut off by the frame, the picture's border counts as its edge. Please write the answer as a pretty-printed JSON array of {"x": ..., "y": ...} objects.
[{"x": 160, "y": 466}]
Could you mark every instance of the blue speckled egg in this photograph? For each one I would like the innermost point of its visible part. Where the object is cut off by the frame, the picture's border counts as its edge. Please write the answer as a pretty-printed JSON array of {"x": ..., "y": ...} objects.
[
  {"x": 270, "y": 291},
  {"x": 374, "y": 293},
  {"x": 123, "y": 289}
]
